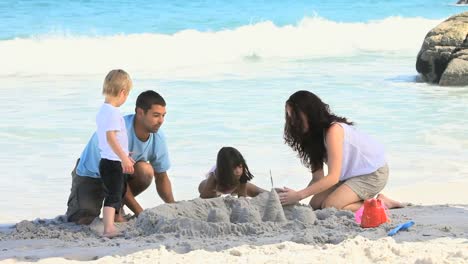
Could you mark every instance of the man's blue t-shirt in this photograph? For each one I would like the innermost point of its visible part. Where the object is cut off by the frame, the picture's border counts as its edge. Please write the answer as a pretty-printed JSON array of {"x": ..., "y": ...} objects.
[{"x": 154, "y": 151}]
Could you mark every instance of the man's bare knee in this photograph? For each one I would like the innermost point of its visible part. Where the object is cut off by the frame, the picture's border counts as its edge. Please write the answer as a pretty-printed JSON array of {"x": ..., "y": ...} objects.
[
  {"x": 141, "y": 178},
  {"x": 144, "y": 173}
]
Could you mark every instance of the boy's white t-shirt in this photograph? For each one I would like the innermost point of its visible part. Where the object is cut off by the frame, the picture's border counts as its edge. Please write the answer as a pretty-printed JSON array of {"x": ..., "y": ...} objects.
[{"x": 109, "y": 118}]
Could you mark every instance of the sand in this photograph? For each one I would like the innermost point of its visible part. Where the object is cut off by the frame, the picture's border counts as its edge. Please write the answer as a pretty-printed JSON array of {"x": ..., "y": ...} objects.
[{"x": 248, "y": 230}]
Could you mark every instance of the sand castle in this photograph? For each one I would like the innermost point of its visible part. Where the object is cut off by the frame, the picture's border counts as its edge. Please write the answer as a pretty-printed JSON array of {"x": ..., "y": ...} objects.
[{"x": 223, "y": 215}]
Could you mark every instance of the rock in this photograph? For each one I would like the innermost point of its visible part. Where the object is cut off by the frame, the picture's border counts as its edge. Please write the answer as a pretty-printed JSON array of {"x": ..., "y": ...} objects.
[
  {"x": 462, "y": 2},
  {"x": 443, "y": 57},
  {"x": 456, "y": 73}
]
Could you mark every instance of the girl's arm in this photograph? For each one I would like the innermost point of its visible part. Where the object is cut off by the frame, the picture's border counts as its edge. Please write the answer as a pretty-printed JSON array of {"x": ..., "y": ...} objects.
[
  {"x": 242, "y": 190},
  {"x": 335, "y": 139},
  {"x": 208, "y": 189}
]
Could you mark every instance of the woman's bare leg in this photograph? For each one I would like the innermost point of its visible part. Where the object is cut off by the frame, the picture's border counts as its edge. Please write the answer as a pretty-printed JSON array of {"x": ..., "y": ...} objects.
[
  {"x": 343, "y": 198},
  {"x": 390, "y": 203},
  {"x": 317, "y": 200}
]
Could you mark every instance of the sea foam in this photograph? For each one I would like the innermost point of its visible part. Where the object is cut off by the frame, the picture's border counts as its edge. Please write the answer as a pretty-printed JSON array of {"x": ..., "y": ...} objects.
[{"x": 192, "y": 52}]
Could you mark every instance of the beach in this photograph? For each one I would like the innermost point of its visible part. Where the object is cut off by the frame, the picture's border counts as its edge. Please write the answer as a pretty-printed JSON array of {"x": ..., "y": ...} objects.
[
  {"x": 226, "y": 70},
  {"x": 256, "y": 230}
]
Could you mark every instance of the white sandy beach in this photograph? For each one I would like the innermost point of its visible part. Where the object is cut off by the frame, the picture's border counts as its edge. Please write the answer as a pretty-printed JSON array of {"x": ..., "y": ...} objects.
[
  {"x": 256, "y": 230},
  {"x": 225, "y": 70}
]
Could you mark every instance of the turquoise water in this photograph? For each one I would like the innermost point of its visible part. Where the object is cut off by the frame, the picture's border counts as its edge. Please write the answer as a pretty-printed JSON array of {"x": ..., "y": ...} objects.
[
  {"x": 225, "y": 70},
  {"x": 28, "y": 18}
]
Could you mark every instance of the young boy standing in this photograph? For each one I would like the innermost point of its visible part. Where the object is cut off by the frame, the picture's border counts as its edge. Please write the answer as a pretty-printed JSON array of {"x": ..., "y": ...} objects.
[{"x": 113, "y": 145}]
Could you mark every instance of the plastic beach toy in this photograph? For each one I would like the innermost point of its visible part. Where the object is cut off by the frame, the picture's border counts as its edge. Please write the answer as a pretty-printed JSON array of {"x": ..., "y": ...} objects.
[
  {"x": 373, "y": 213},
  {"x": 358, "y": 215},
  {"x": 403, "y": 226}
]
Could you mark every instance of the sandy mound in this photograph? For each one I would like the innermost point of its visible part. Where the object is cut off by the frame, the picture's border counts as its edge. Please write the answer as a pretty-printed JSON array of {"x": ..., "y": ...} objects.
[
  {"x": 224, "y": 216},
  {"x": 224, "y": 223}
]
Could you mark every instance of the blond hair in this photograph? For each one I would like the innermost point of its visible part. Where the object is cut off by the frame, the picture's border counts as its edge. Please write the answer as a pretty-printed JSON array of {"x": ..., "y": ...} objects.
[{"x": 116, "y": 81}]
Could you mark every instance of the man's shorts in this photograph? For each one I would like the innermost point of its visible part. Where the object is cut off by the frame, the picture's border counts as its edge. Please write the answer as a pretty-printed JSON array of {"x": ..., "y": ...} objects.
[
  {"x": 86, "y": 197},
  {"x": 368, "y": 185}
]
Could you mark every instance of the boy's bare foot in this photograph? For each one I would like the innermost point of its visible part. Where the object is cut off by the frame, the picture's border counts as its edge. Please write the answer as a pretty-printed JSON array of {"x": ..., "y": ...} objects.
[{"x": 391, "y": 203}]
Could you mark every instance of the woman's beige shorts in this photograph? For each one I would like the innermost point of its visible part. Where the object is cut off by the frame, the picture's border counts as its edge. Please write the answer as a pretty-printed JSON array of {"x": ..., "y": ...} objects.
[{"x": 368, "y": 185}]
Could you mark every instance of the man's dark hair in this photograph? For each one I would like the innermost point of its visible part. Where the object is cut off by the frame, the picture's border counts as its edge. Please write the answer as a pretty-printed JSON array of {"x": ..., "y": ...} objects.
[{"x": 149, "y": 98}]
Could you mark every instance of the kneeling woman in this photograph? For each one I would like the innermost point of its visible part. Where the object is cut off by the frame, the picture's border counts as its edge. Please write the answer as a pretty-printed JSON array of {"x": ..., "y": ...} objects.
[{"x": 357, "y": 169}]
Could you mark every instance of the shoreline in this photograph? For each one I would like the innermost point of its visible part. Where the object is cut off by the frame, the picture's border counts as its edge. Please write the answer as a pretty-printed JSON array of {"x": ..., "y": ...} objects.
[{"x": 431, "y": 193}]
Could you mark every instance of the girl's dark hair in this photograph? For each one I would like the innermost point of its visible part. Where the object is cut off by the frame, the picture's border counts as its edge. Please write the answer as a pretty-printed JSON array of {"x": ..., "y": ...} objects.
[
  {"x": 149, "y": 98},
  {"x": 310, "y": 144},
  {"x": 229, "y": 158}
]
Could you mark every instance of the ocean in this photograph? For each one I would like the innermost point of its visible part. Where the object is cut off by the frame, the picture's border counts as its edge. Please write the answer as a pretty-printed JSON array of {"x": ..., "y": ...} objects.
[{"x": 225, "y": 69}]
